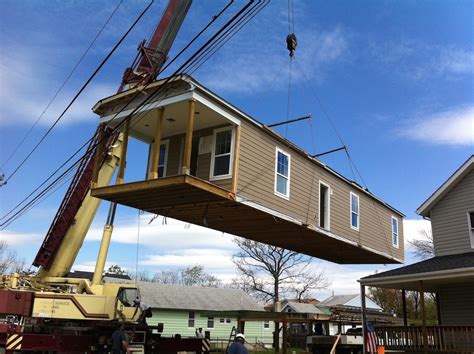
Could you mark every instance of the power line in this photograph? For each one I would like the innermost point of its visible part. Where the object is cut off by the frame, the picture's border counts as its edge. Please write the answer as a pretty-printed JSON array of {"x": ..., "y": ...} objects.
[
  {"x": 115, "y": 129},
  {"x": 80, "y": 91},
  {"x": 62, "y": 85}
]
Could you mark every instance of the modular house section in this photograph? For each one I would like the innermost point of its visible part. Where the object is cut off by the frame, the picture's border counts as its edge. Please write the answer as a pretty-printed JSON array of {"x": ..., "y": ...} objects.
[{"x": 215, "y": 166}]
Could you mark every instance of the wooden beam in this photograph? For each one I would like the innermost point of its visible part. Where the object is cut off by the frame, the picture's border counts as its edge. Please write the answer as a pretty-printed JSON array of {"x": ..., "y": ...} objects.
[
  {"x": 155, "y": 157},
  {"x": 188, "y": 143},
  {"x": 404, "y": 307},
  {"x": 423, "y": 317},
  {"x": 235, "y": 167},
  {"x": 364, "y": 318},
  {"x": 123, "y": 155}
]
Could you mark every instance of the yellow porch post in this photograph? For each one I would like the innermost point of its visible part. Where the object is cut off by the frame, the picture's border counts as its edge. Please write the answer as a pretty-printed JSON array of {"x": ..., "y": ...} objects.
[
  {"x": 189, "y": 139},
  {"x": 155, "y": 157}
]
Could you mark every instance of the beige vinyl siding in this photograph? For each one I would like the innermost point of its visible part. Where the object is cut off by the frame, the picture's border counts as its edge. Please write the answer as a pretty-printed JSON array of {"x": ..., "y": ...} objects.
[
  {"x": 457, "y": 305},
  {"x": 449, "y": 219},
  {"x": 257, "y": 181}
]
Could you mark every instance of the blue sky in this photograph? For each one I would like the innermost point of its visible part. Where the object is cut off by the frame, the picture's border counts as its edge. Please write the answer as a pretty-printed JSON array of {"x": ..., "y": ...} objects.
[{"x": 396, "y": 78}]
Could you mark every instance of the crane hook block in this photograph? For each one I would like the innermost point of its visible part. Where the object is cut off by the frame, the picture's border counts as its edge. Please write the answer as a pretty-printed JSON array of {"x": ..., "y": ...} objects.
[{"x": 291, "y": 43}]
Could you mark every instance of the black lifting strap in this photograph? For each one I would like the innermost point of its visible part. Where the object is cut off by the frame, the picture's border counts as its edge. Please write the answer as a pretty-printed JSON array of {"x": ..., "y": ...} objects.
[{"x": 291, "y": 43}]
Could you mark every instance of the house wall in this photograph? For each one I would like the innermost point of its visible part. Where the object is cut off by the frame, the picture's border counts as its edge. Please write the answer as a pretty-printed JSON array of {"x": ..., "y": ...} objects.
[
  {"x": 449, "y": 220},
  {"x": 256, "y": 183},
  {"x": 457, "y": 305},
  {"x": 176, "y": 321}
]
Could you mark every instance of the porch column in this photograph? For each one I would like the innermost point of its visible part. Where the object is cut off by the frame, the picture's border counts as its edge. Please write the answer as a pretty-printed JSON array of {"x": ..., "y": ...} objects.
[
  {"x": 404, "y": 305},
  {"x": 285, "y": 337},
  {"x": 155, "y": 157},
  {"x": 362, "y": 304},
  {"x": 423, "y": 317},
  {"x": 123, "y": 154},
  {"x": 188, "y": 143},
  {"x": 235, "y": 167}
]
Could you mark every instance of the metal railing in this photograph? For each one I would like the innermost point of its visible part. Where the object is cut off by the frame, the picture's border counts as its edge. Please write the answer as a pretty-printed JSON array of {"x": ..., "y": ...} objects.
[{"x": 451, "y": 339}]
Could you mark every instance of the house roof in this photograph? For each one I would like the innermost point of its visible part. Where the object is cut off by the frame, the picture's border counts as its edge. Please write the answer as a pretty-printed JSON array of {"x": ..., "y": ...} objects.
[
  {"x": 178, "y": 297},
  {"x": 98, "y": 108},
  {"x": 425, "y": 208},
  {"x": 352, "y": 300},
  {"x": 303, "y": 308},
  {"x": 435, "y": 264},
  {"x": 81, "y": 274}
]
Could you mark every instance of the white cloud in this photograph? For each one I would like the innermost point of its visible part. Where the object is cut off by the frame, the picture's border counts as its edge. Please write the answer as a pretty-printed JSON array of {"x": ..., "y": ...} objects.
[
  {"x": 18, "y": 239},
  {"x": 453, "y": 127},
  {"x": 412, "y": 230}
]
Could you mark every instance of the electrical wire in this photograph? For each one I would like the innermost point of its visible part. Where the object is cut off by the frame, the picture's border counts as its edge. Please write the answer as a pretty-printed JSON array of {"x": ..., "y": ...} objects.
[
  {"x": 140, "y": 106},
  {"x": 62, "y": 85},
  {"x": 80, "y": 91}
]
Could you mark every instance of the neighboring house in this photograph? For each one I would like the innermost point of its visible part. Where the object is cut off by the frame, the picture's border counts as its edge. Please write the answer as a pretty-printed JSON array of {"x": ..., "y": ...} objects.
[
  {"x": 213, "y": 165},
  {"x": 450, "y": 273},
  {"x": 183, "y": 309},
  {"x": 353, "y": 300}
]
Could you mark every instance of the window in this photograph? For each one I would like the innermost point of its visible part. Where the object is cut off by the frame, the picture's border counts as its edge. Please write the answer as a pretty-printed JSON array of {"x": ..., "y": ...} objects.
[
  {"x": 222, "y": 152},
  {"x": 354, "y": 211},
  {"x": 225, "y": 320},
  {"x": 394, "y": 231},
  {"x": 210, "y": 322},
  {"x": 163, "y": 159},
  {"x": 266, "y": 324},
  {"x": 324, "y": 205},
  {"x": 191, "y": 320},
  {"x": 282, "y": 174},
  {"x": 470, "y": 221}
]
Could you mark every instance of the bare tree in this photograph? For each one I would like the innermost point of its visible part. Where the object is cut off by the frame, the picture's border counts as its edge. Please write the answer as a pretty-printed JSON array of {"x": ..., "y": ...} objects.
[
  {"x": 424, "y": 247},
  {"x": 9, "y": 260},
  {"x": 268, "y": 272},
  {"x": 190, "y": 276},
  {"x": 116, "y": 269}
]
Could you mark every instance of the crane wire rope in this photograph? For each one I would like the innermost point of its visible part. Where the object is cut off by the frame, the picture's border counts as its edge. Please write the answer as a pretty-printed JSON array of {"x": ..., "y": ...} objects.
[
  {"x": 80, "y": 91},
  {"x": 351, "y": 162},
  {"x": 58, "y": 91},
  {"x": 140, "y": 106}
]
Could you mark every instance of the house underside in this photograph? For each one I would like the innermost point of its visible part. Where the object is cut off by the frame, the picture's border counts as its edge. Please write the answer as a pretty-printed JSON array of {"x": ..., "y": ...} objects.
[{"x": 199, "y": 202}]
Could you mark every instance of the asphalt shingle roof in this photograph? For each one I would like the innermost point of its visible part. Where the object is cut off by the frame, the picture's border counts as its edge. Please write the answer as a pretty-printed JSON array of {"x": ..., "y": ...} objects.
[
  {"x": 304, "y": 308},
  {"x": 178, "y": 297},
  {"x": 435, "y": 264},
  {"x": 338, "y": 300}
]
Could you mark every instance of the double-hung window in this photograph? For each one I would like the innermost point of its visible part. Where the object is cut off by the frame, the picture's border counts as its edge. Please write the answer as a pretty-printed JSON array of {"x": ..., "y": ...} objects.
[
  {"x": 354, "y": 211},
  {"x": 191, "y": 319},
  {"x": 470, "y": 221},
  {"x": 210, "y": 322},
  {"x": 394, "y": 232},
  {"x": 282, "y": 173},
  {"x": 163, "y": 159},
  {"x": 222, "y": 153}
]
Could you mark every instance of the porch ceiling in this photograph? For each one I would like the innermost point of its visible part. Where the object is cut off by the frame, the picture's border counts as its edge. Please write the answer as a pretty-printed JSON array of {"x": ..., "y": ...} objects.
[{"x": 192, "y": 200}]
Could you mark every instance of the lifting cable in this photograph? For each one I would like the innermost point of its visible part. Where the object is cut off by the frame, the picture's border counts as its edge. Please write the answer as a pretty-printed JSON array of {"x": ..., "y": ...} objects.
[
  {"x": 80, "y": 91},
  {"x": 61, "y": 87},
  {"x": 291, "y": 43},
  {"x": 115, "y": 129}
]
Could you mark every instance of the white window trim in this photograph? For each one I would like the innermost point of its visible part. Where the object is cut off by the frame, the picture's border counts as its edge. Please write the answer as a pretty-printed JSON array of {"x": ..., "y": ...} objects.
[
  {"x": 213, "y": 322},
  {"x": 328, "y": 227},
  {"x": 213, "y": 152},
  {"x": 164, "y": 163},
  {"x": 284, "y": 196},
  {"x": 194, "y": 319},
  {"x": 396, "y": 245},
  {"x": 471, "y": 231},
  {"x": 350, "y": 211}
]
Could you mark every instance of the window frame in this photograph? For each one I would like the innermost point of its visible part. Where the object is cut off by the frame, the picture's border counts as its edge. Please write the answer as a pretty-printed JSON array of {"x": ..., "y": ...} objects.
[
  {"x": 356, "y": 228},
  {"x": 213, "y": 320},
  {"x": 193, "y": 318},
  {"x": 288, "y": 178},
  {"x": 213, "y": 153},
  {"x": 166, "y": 143},
  {"x": 470, "y": 226},
  {"x": 328, "y": 227},
  {"x": 397, "y": 244},
  {"x": 266, "y": 325}
]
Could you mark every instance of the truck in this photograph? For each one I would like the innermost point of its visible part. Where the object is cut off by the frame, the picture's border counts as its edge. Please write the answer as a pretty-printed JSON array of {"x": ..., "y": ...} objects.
[{"x": 50, "y": 311}]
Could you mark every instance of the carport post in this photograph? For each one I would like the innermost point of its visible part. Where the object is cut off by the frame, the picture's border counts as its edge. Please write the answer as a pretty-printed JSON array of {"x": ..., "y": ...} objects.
[
  {"x": 404, "y": 305},
  {"x": 188, "y": 142},
  {"x": 362, "y": 303}
]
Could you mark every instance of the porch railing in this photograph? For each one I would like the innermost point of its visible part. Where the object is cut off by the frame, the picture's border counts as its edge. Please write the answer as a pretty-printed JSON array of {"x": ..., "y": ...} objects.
[{"x": 451, "y": 339}]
